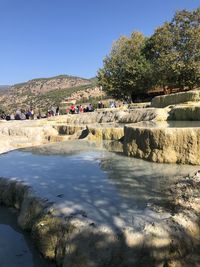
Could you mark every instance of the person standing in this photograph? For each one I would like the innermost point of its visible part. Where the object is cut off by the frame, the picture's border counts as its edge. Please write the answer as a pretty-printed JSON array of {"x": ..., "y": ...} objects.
[{"x": 57, "y": 111}]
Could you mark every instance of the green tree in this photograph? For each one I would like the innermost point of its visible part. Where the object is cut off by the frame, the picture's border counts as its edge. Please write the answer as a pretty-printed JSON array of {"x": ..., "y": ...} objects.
[
  {"x": 174, "y": 51},
  {"x": 159, "y": 50},
  {"x": 126, "y": 72}
]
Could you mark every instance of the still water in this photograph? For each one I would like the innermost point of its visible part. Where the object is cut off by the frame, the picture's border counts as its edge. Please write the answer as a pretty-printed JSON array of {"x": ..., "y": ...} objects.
[
  {"x": 168, "y": 124},
  {"x": 16, "y": 248},
  {"x": 78, "y": 177}
]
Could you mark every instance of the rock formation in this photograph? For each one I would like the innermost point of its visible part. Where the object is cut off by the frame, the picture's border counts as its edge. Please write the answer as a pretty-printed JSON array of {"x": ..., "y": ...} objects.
[
  {"x": 174, "y": 99},
  {"x": 162, "y": 144},
  {"x": 76, "y": 240}
]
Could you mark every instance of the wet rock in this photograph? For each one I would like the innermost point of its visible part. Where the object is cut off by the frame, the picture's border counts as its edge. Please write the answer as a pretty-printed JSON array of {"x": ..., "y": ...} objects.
[
  {"x": 49, "y": 234},
  {"x": 31, "y": 209},
  {"x": 12, "y": 192}
]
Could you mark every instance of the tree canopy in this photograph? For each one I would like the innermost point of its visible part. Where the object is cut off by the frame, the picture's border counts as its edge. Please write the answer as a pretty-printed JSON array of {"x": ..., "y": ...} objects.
[
  {"x": 169, "y": 58},
  {"x": 126, "y": 69}
]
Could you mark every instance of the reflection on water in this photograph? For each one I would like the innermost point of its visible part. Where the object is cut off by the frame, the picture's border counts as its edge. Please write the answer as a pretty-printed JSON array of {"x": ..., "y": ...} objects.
[
  {"x": 183, "y": 124},
  {"x": 168, "y": 124},
  {"x": 109, "y": 188},
  {"x": 16, "y": 249}
]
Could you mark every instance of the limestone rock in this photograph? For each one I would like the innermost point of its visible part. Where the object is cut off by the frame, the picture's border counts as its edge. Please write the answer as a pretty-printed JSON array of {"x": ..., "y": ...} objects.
[
  {"x": 190, "y": 112},
  {"x": 113, "y": 116},
  {"x": 105, "y": 133},
  {"x": 177, "y": 98},
  {"x": 166, "y": 145}
]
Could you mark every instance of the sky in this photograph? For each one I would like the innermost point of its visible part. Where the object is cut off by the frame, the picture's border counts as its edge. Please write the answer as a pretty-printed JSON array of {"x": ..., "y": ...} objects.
[{"x": 44, "y": 38}]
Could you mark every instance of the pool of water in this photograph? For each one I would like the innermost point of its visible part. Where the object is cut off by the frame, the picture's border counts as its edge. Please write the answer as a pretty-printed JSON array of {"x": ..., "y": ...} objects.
[
  {"x": 78, "y": 177},
  {"x": 184, "y": 124},
  {"x": 169, "y": 124},
  {"x": 16, "y": 248}
]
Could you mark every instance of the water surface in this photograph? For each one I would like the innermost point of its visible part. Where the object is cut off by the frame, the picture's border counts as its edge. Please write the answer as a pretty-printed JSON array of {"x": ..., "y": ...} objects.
[
  {"x": 79, "y": 178},
  {"x": 168, "y": 124},
  {"x": 16, "y": 248}
]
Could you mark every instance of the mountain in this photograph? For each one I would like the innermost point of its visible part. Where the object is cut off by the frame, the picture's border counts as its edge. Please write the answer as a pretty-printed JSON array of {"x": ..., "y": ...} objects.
[
  {"x": 44, "y": 92},
  {"x": 4, "y": 87}
]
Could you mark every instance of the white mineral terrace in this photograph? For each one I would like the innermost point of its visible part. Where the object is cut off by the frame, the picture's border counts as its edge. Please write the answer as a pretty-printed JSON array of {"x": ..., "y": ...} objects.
[{"x": 88, "y": 206}]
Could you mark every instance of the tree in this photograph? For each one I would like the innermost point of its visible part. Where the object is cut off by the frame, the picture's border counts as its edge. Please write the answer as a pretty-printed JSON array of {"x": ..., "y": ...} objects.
[
  {"x": 159, "y": 50},
  {"x": 174, "y": 51},
  {"x": 126, "y": 71},
  {"x": 169, "y": 58}
]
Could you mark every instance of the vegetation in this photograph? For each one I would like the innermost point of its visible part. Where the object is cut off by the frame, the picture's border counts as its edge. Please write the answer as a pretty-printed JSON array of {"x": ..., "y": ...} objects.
[
  {"x": 27, "y": 95},
  {"x": 64, "y": 76},
  {"x": 169, "y": 58},
  {"x": 54, "y": 97},
  {"x": 126, "y": 69},
  {"x": 92, "y": 100}
]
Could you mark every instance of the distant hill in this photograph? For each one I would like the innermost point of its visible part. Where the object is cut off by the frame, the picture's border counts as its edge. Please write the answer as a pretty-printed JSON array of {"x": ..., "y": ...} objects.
[
  {"x": 44, "y": 92},
  {"x": 4, "y": 87}
]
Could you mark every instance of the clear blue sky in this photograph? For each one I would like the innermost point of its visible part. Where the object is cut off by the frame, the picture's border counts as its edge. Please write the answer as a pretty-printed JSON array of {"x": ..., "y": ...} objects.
[{"x": 43, "y": 38}]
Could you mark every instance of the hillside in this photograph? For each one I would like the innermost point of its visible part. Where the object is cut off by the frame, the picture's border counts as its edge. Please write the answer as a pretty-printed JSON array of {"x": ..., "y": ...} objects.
[
  {"x": 4, "y": 87},
  {"x": 44, "y": 92}
]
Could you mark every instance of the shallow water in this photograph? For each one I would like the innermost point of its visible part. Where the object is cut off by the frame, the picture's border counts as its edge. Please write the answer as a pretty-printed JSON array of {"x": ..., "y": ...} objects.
[
  {"x": 183, "y": 124},
  {"x": 106, "y": 187},
  {"x": 16, "y": 249},
  {"x": 169, "y": 124}
]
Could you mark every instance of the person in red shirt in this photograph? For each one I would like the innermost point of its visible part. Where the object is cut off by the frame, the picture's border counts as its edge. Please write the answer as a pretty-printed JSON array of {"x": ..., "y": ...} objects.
[
  {"x": 72, "y": 109},
  {"x": 80, "y": 108}
]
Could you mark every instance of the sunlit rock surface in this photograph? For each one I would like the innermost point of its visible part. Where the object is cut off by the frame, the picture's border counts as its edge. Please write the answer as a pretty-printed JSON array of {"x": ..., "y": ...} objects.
[
  {"x": 163, "y": 144},
  {"x": 99, "y": 125},
  {"x": 162, "y": 234},
  {"x": 114, "y": 116},
  {"x": 174, "y": 99}
]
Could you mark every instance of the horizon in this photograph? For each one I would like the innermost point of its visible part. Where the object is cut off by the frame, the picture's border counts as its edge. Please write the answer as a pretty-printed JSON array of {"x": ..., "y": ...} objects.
[
  {"x": 44, "y": 40},
  {"x": 44, "y": 78}
]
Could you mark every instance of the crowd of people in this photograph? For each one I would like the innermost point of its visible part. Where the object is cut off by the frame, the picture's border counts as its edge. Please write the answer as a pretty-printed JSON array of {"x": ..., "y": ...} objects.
[
  {"x": 18, "y": 115},
  {"x": 53, "y": 111},
  {"x": 79, "y": 109},
  {"x": 29, "y": 114}
]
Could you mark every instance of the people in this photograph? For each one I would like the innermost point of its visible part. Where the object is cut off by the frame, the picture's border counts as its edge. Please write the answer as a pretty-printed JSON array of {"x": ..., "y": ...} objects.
[
  {"x": 32, "y": 114},
  {"x": 80, "y": 109},
  {"x": 28, "y": 114},
  {"x": 90, "y": 108},
  {"x": 72, "y": 109},
  {"x": 3, "y": 116},
  {"x": 7, "y": 117},
  {"x": 77, "y": 109},
  {"x": 100, "y": 104},
  {"x": 18, "y": 115},
  {"x": 38, "y": 113},
  {"x": 57, "y": 110},
  {"x": 53, "y": 111}
]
